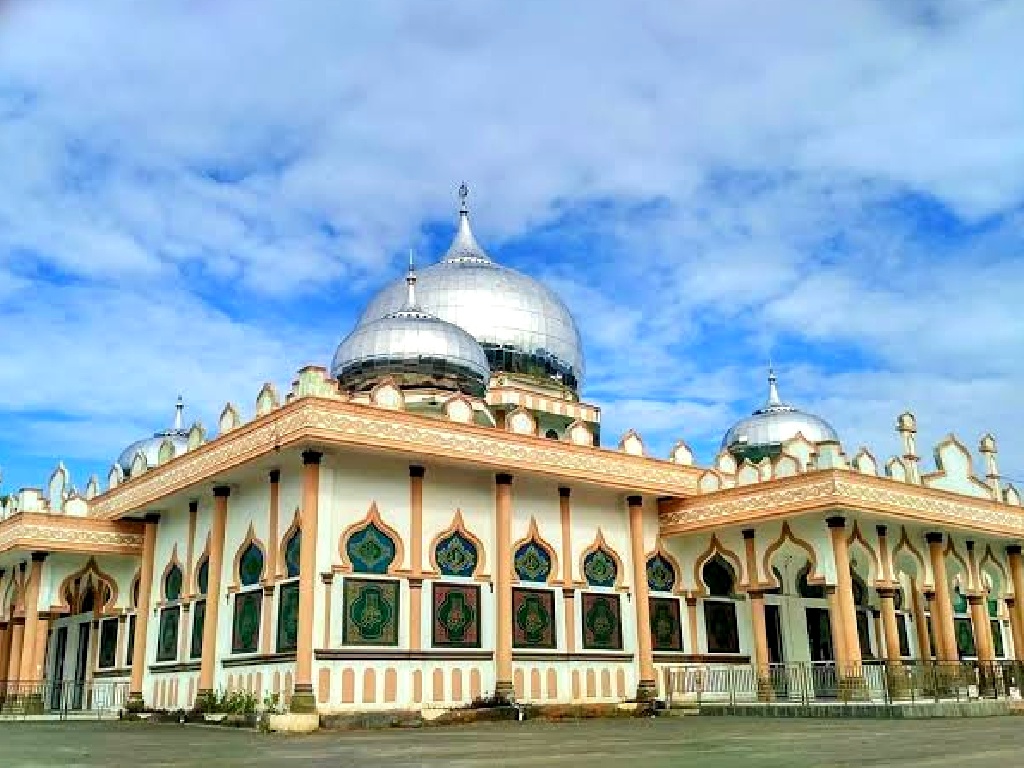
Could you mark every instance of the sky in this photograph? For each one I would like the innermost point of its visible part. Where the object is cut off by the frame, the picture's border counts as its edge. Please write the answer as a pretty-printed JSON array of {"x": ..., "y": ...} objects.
[{"x": 197, "y": 197}]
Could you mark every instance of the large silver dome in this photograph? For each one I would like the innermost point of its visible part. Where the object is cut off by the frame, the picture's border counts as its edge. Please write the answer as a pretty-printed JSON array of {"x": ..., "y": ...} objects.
[
  {"x": 150, "y": 446},
  {"x": 414, "y": 348},
  {"x": 521, "y": 324},
  {"x": 762, "y": 433}
]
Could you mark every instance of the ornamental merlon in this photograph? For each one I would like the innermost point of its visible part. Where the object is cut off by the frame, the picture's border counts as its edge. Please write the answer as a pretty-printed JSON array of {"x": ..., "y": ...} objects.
[
  {"x": 331, "y": 422},
  {"x": 828, "y": 490}
]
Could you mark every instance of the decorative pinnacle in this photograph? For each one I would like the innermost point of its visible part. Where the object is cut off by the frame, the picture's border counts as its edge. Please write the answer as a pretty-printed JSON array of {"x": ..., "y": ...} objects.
[
  {"x": 179, "y": 408},
  {"x": 410, "y": 280},
  {"x": 773, "y": 389},
  {"x": 463, "y": 194}
]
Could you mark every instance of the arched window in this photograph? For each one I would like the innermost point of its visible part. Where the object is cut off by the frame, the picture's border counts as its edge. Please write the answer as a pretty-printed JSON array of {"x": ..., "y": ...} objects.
[
  {"x": 719, "y": 577},
  {"x": 805, "y": 589},
  {"x": 720, "y": 622},
  {"x": 862, "y": 603},
  {"x": 245, "y": 630},
  {"x": 370, "y": 550},
  {"x": 170, "y": 616},
  {"x": 962, "y": 626},
  {"x": 600, "y": 568},
  {"x": 199, "y": 608},
  {"x": 661, "y": 576},
  {"x": 88, "y": 601},
  {"x": 172, "y": 583},
  {"x": 900, "y": 604},
  {"x": 456, "y": 555},
  {"x": 532, "y": 562},
  {"x": 288, "y": 598}
]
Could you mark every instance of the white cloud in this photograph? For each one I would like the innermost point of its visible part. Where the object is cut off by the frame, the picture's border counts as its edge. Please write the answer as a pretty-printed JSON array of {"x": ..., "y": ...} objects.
[{"x": 198, "y": 196}]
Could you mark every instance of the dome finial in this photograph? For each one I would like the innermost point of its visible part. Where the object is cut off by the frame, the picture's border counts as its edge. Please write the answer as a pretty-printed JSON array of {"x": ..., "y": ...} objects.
[
  {"x": 773, "y": 389},
  {"x": 464, "y": 246},
  {"x": 179, "y": 408},
  {"x": 410, "y": 281}
]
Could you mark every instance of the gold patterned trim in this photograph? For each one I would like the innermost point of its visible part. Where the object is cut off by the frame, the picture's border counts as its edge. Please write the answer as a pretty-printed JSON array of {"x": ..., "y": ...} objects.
[
  {"x": 340, "y": 424},
  {"x": 830, "y": 490},
  {"x": 57, "y": 533}
]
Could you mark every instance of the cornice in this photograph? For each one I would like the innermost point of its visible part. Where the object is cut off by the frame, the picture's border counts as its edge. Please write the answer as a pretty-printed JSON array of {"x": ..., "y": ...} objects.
[
  {"x": 829, "y": 490},
  {"x": 329, "y": 423},
  {"x": 59, "y": 533}
]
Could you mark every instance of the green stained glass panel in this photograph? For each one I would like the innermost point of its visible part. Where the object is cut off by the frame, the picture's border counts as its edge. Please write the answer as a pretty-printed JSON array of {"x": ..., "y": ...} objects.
[
  {"x": 198, "y": 625},
  {"x": 997, "y": 638},
  {"x": 108, "y": 644},
  {"x": 532, "y": 562},
  {"x": 456, "y": 555},
  {"x": 245, "y": 633},
  {"x": 964, "y": 637},
  {"x": 167, "y": 637},
  {"x": 203, "y": 576},
  {"x": 370, "y": 550},
  {"x": 288, "y": 618},
  {"x": 250, "y": 566},
  {"x": 292, "y": 553},
  {"x": 172, "y": 583},
  {"x": 600, "y": 569},
  {"x": 661, "y": 576}
]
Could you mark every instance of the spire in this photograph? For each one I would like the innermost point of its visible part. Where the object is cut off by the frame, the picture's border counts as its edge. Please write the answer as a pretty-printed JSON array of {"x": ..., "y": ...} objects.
[
  {"x": 410, "y": 281},
  {"x": 773, "y": 389},
  {"x": 464, "y": 246},
  {"x": 179, "y": 408}
]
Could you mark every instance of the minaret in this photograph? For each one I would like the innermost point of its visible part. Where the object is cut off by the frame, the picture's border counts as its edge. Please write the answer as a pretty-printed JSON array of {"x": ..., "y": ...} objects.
[
  {"x": 773, "y": 389},
  {"x": 987, "y": 448},
  {"x": 410, "y": 281},
  {"x": 906, "y": 425}
]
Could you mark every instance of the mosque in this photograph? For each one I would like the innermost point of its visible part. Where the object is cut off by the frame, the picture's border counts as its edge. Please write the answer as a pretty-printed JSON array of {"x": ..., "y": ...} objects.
[{"x": 434, "y": 520}]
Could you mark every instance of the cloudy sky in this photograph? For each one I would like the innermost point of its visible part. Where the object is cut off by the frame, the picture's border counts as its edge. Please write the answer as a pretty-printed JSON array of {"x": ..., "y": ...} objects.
[{"x": 198, "y": 197}]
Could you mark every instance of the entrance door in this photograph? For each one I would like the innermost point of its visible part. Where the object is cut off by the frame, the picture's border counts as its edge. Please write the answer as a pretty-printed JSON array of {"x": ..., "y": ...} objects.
[
  {"x": 824, "y": 683},
  {"x": 60, "y": 650},
  {"x": 81, "y": 664}
]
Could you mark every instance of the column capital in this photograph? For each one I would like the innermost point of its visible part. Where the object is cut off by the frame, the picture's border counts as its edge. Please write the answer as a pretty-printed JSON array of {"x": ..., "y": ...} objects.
[
  {"x": 312, "y": 457},
  {"x": 881, "y": 530},
  {"x": 38, "y": 557},
  {"x": 975, "y": 600},
  {"x": 934, "y": 537},
  {"x": 222, "y": 491},
  {"x": 1013, "y": 549},
  {"x": 635, "y": 500},
  {"x": 691, "y": 600},
  {"x": 274, "y": 476},
  {"x": 836, "y": 521},
  {"x": 564, "y": 492},
  {"x": 152, "y": 518},
  {"x": 415, "y": 470},
  {"x": 193, "y": 505},
  {"x": 970, "y": 545},
  {"x": 887, "y": 592},
  {"x": 748, "y": 533},
  {"x": 503, "y": 478}
]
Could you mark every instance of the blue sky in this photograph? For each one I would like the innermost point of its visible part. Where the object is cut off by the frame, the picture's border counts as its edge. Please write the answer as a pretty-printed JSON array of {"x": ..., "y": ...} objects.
[{"x": 200, "y": 197}]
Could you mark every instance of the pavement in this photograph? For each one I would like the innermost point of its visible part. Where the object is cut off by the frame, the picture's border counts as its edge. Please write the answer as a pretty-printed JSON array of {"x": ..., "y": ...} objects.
[{"x": 648, "y": 743}]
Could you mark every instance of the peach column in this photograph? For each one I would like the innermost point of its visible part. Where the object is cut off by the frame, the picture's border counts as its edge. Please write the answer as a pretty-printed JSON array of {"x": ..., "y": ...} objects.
[
  {"x": 844, "y": 592},
  {"x": 979, "y": 611},
  {"x": 142, "y": 612},
  {"x": 503, "y": 685},
  {"x": 1015, "y": 633},
  {"x": 31, "y": 667},
  {"x": 887, "y": 596},
  {"x": 271, "y": 570},
  {"x": 1013, "y": 556},
  {"x": 835, "y": 617},
  {"x": 5, "y": 649},
  {"x": 757, "y": 619},
  {"x": 942, "y": 609},
  {"x": 17, "y": 643},
  {"x": 303, "y": 699},
  {"x": 647, "y": 685},
  {"x": 214, "y": 596},
  {"x": 568, "y": 591},
  {"x": 924, "y": 651},
  {"x": 416, "y": 474}
]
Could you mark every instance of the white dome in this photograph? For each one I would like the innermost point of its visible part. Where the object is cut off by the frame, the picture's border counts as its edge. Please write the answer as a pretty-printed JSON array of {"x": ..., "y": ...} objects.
[
  {"x": 768, "y": 427},
  {"x": 521, "y": 324},
  {"x": 414, "y": 348},
  {"x": 150, "y": 446}
]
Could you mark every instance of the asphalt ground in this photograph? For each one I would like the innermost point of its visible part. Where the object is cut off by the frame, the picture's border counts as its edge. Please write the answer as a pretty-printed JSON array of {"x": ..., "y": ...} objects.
[{"x": 618, "y": 743}]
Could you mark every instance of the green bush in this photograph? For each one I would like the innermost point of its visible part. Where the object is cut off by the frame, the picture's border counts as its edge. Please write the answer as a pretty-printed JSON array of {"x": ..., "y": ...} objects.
[{"x": 225, "y": 702}]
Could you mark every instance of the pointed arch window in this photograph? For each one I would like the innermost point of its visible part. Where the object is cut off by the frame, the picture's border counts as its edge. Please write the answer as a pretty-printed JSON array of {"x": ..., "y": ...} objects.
[
  {"x": 600, "y": 568},
  {"x": 199, "y": 608},
  {"x": 661, "y": 575},
  {"x": 245, "y": 626},
  {"x": 804, "y": 588},
  {"x": 170, "y": 616},
  {"x": 963, "y": 628},
  {"x": 371, "y": 550},
  {"x": 532, "y": 562},
  {"x": 288, "y": 596},
  {"x": 456, "y": 555},
  {"x": 720, "y": 624}
]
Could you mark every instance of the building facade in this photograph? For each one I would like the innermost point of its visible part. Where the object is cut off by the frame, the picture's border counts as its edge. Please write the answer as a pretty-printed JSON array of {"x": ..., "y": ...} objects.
[{"x": 433, "y": 521}]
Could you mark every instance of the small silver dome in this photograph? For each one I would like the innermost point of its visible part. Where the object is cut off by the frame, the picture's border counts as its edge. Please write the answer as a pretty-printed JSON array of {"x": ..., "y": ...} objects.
[
  {"x": 150, "y": 446},
  {"x": 767, "y": 428},
  {"x": 521, "y": 324},
  {"x": 414, "y": 348}
]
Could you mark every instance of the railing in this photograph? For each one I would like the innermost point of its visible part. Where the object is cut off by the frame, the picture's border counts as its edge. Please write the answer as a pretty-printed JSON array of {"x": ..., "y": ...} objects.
[
  {"x": 63, "y": 698},
  {"x": 823, "y": 683}
]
